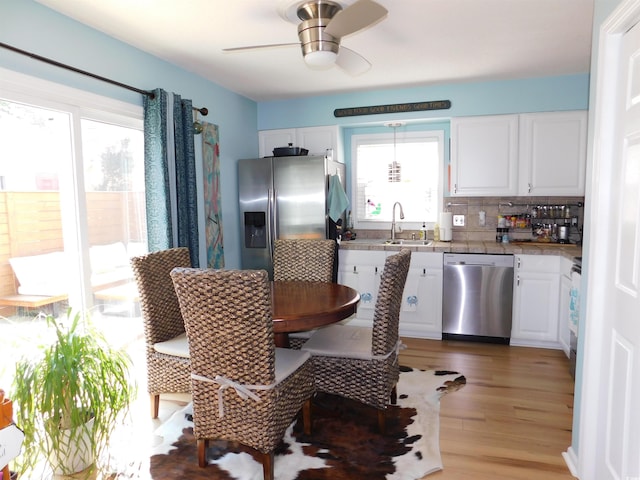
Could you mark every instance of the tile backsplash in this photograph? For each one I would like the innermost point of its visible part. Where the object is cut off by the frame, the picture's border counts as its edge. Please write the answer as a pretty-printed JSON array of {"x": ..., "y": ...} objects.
[{"x": 471, "y": 207}]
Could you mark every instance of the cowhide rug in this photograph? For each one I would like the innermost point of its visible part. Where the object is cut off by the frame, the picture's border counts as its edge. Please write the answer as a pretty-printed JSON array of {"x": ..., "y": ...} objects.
[{"x": 344, "y": 444}]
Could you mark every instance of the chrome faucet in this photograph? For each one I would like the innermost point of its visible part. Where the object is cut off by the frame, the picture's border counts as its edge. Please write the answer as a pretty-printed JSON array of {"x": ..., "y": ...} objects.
[{"x": 393, "y": 219}]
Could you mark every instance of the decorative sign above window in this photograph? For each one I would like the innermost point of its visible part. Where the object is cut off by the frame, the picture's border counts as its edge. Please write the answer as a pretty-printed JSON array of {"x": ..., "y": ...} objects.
[{"x": 393, "y": 108}]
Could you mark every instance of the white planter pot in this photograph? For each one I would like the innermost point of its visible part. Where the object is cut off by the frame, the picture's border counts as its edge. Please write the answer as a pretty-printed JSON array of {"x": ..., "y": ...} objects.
[{"x": 74, "y": 454}]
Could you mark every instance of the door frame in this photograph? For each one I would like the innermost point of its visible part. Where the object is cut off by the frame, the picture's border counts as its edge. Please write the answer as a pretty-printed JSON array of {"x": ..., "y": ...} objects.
[{"x": 595, "y": 366}]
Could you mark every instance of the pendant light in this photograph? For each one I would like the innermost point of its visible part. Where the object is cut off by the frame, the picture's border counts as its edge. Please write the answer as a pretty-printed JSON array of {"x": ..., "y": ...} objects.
[{"x": 394, "y": 172}]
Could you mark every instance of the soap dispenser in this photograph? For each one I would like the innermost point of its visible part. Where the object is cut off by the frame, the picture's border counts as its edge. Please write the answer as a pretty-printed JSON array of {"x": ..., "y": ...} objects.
[{"x": 423, "y": 231}]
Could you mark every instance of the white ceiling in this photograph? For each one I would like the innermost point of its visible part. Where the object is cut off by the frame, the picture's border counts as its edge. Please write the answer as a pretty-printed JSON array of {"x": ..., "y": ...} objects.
[{"x": 420, "y": 42}]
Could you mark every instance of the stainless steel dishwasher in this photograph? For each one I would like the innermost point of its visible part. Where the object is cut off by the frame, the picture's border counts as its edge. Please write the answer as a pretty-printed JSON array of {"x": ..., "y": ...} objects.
[{"x": 477, "y": 297}]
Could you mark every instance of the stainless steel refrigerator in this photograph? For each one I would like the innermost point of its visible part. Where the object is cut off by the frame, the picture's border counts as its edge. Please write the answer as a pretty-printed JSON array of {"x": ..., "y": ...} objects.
[{"x": 284, "y": 197}]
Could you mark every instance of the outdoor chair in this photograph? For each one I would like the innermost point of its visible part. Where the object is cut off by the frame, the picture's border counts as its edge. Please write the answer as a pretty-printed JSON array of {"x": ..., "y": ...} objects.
[
  {"x": 167, "y": 351},
  {"x": 361, "y": 363},
  {"x": 244, "y": 389}
]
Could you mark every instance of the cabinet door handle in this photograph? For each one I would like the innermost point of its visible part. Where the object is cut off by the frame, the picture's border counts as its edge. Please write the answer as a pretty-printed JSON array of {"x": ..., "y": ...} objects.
[
  {"x": 424, "y": 272},
  {"x": 518, "y": 281},
  {"x": 355, "y": 269},
  {"x": 455, "y": 188},
  {"x": 530, "y": 186}
]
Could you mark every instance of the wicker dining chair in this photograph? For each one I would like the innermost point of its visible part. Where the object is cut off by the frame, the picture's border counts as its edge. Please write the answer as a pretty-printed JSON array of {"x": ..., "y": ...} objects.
[
  {"x": 244, "y": 389},
  {"x": 304, "y": 260},
  {"x": 167, "y": 351},
  {"x": 361, "y": 363}
]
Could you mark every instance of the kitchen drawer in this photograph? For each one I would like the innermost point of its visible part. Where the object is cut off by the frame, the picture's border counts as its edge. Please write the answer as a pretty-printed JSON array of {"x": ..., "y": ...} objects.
[{"x": 539, "y": 263}]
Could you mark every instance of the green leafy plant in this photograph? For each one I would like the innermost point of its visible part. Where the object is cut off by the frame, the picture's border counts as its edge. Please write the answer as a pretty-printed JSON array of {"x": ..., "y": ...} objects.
[{"x": 71, "y": 396}]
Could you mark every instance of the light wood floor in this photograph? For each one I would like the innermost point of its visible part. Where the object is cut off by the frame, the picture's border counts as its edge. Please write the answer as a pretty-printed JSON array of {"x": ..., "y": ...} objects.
[{"x": 513, "y": 418}]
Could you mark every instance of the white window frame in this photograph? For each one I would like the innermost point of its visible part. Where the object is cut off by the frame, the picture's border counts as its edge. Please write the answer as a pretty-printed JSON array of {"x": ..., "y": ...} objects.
[
  {"x": 369, "y": 138},
  {"x": 79, "y": 104}
]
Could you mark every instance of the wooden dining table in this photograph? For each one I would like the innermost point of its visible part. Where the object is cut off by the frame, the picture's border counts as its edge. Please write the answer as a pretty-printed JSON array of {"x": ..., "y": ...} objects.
[{"x": 301, "y": 306}]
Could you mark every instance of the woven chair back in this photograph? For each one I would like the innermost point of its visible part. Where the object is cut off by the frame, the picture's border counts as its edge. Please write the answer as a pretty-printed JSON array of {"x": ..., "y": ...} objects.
[
  {"x": 227, "y": 315},
  {"x": 304, "y": 260},
  {"x": 386, "y": 315},
  {"x": 158, "y": 302}
]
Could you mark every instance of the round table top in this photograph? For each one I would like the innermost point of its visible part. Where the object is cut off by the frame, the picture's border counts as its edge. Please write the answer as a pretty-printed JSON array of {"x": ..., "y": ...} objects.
[{"x": 300, "y": 306}]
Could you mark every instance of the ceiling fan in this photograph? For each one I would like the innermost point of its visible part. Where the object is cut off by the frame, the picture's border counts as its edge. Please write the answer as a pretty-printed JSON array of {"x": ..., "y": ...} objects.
[{"x": 323, "y": 24}]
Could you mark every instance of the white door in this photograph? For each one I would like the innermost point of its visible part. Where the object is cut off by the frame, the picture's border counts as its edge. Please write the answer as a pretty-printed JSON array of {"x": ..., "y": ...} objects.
[{"x": 610, "y": 419}]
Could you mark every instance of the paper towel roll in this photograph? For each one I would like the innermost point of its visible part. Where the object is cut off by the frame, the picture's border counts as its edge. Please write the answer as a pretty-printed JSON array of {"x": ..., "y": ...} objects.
[{"x": 446, "y": 226}]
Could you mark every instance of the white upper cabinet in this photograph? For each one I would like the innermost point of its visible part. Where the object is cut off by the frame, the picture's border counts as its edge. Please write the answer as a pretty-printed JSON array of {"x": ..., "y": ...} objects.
[
  {"x": 553, "y": 152},
  {"x": 484, "y": 156},
  {"x": 534, "y": 154},
  {"x": 270, "y": 139},
  {"x": 318, "y": 140}
]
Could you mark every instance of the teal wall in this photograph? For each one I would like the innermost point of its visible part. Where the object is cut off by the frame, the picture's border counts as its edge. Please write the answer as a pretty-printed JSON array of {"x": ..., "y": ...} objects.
[
  {"x": 569, "y": 92},
  {"x": 30, "y": 26}
]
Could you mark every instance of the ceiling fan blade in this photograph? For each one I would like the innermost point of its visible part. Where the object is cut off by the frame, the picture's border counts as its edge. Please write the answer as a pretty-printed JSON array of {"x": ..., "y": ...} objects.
[
  {"x": 351, "y": 62},
  {"x": 355, "y": 17},
  {"x": 257, "y": 47}
]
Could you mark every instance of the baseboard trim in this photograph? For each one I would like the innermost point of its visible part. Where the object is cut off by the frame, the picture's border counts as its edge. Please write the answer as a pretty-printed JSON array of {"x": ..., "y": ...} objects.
[{"x": 571, "y": 459}]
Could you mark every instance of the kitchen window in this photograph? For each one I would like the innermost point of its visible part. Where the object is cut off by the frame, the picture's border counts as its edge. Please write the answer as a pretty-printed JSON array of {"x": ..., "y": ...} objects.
[{"x": 401, "y": 166}]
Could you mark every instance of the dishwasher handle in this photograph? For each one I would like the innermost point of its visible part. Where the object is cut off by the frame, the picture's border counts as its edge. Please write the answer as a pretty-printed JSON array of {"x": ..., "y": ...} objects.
[{"x": 478, "y": 260}]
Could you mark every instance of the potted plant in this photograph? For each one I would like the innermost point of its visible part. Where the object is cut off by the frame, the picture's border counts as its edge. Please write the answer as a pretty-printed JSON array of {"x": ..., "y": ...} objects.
[{"x": 69, "y": 398}]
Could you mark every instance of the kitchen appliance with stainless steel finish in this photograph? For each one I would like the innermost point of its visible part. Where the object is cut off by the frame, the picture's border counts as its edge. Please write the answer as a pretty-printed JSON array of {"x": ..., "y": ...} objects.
[
  {"x": 283, "y": 197},
  {"x": 477, "y": 297}
]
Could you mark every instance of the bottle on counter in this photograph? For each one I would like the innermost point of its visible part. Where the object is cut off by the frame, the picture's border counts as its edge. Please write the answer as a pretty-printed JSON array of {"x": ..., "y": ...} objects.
[
  {"x": 436, "y": 233},
  {"x": 423, "y": 231}
]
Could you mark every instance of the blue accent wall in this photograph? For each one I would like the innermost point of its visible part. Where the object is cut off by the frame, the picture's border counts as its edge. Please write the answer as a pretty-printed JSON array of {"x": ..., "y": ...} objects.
[
  {"x": 30, "y": 26},
  {"x": 570, "y": 92}
]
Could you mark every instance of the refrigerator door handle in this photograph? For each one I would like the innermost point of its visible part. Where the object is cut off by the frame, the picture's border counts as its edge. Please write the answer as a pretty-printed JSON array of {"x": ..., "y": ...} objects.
[
  {"x": 270, "y": 224},
  {"x": 276, "y": 233}
]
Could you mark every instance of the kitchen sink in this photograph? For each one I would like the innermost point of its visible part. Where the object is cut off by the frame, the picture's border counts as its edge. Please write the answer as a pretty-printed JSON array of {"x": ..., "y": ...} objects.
[{"x": 403, "y": 241}]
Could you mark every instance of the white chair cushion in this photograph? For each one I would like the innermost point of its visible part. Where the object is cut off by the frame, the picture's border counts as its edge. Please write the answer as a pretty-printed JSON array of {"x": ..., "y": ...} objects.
[
  {"x": 177, "y": 346},
  {"x": 341, "y": 341},
  {"x": 288, "y": 361}
]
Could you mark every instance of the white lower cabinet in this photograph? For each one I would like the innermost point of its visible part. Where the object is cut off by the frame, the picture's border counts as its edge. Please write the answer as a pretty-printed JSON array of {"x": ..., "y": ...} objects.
[
  {"x": 536, "y": 296},
  {"x": 564, "y": 309},
  {"x": 361, "y": 270},
  {"x": 421, "y": 310}
]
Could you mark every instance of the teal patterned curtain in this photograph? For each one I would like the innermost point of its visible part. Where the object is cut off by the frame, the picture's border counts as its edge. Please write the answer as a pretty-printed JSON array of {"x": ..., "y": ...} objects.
[{"x": 170, "y": 173}]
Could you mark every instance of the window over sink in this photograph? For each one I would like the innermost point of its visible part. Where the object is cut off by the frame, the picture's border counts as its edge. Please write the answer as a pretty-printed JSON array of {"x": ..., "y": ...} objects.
[{"x": 401, "y": 166}]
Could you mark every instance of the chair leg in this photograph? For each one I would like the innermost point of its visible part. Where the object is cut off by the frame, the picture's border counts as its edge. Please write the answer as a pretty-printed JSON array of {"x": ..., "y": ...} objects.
[
  {"x": 203, "y": 444},
  {"x": 306, "y": 417},
  {"x": 267, "y": 465},
  {"x": 381, "y": 420},
  {"x": 155, "y": 405},
  {"x": 394, "y": 395}
]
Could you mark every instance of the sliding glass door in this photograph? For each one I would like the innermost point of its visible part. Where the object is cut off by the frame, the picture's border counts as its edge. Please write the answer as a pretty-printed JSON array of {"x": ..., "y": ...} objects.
[{"x": 72, "y": 213}]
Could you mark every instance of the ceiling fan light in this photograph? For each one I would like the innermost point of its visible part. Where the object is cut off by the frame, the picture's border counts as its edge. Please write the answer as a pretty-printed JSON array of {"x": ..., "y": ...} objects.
[{"x": 321, "y": 58}]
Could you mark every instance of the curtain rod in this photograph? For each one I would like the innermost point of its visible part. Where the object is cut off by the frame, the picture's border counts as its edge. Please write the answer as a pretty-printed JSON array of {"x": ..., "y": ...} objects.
[{"x": 204, "y": 111}]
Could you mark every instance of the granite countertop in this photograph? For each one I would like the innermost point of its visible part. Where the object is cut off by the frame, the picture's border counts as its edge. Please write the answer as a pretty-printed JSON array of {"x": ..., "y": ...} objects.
[{"x": 528, "y": 248}]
